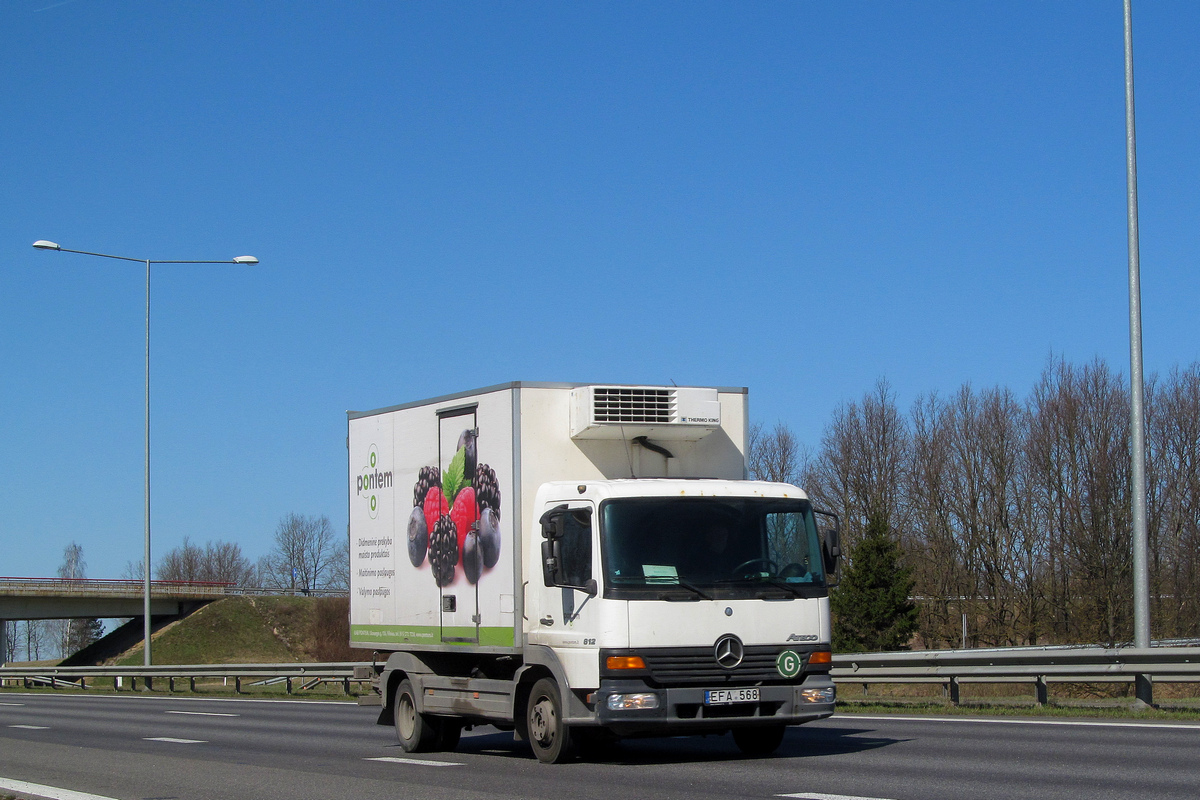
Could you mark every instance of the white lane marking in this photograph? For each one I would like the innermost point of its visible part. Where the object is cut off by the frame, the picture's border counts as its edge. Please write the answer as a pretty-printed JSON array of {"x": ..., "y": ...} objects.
[
  {"x": 172, "y": 740},
  {"x": 819, "y": 796},
  {"x": 1076, "y": 722},
  {"x": 202, "y": 713},
  {"x": 417, "y": 761},
  {"x": 12, "y": 704},
  {"x": 31, "y": 727},
  {"x": 53, "y": 792}
]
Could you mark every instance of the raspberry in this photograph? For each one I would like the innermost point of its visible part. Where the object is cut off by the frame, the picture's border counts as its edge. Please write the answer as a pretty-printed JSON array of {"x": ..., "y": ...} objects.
[
  {"x": 435, "y": 507},
  {"x": 464, "y": 515}
]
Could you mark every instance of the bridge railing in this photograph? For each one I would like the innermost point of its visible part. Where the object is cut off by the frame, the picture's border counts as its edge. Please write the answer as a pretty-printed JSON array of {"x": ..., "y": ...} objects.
[
  {"x": 127, "y": 586},
  {"x": 109, "y": 586}
]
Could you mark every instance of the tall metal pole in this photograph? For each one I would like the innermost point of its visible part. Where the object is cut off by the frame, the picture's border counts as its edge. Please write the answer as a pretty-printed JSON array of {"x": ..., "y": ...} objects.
[
  {"x": 1137, "y": 429},
  {"x": 146, "y": 555}
]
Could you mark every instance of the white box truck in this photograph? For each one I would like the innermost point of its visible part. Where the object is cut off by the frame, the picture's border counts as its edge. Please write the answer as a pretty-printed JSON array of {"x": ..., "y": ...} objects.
[{"x": 579, "y": 563}]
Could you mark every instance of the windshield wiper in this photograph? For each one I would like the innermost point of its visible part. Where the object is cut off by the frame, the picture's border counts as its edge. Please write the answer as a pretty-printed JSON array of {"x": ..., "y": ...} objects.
[
  {"x": 782, "y": 584},
  {"x": 686, "y": 585}
]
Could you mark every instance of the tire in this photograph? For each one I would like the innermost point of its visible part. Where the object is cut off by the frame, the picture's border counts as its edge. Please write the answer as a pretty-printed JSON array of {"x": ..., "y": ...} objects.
[
  {"x": 758, "y": 741},
  {"x": 416, "y": 732},
  {"x": 549, "y": 737}
]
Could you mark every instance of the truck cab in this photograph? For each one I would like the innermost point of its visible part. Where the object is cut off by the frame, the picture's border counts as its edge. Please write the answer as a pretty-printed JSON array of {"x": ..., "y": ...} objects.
[{"x": 683, "y": 606}]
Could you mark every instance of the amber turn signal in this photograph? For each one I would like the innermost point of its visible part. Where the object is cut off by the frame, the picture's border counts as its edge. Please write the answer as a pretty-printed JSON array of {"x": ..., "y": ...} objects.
[
  {"x": 625, "y": 662},
  {"x": 821, "y": 657}
]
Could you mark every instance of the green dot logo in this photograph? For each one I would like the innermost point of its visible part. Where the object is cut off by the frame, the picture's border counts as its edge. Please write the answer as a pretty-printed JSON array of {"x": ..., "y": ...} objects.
[
  {"x": 373, "y": 457},
  {"x": 789, "y": 663},
  {"x": 372, "y": 503}
]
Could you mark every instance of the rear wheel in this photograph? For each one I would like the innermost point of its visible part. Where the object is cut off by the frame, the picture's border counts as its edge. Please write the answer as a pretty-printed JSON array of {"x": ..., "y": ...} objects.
[
  {"x": 549, "y": 736},
  {"x": 416, "y": 732},
  {"x": 758, "y": 741}
]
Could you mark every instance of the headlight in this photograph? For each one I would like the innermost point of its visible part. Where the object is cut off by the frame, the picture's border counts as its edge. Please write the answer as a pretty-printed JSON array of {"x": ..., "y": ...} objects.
[
  {"x": 826, "y": 695},
  {"x": 623, "y": 702}
]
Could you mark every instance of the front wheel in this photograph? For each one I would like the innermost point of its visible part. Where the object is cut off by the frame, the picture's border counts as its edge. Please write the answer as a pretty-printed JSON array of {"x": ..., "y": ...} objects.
[
  {"x": 415, "y": 731},
  {"x": 758, "y": 741},
  {"x": 548, "y": 734}
]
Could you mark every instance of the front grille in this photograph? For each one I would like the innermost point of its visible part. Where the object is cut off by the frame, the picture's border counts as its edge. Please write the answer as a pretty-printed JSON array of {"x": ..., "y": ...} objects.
[
  {"x": 632, "y": 405},
  {"x": 681, "y": 666}
]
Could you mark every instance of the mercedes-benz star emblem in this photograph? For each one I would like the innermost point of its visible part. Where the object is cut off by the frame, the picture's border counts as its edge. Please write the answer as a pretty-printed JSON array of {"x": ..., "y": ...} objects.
[{"x": 729, "y": 651}]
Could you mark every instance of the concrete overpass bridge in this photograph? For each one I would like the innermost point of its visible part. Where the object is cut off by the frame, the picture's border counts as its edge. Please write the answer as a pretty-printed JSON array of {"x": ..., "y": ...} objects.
[{"x": 65, "y": 598}]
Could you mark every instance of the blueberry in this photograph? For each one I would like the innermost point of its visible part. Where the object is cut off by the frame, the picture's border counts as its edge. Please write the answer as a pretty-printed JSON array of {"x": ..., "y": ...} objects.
[
  {"x": 418, "y": 537},
  {"x": 489, "y": 536}
]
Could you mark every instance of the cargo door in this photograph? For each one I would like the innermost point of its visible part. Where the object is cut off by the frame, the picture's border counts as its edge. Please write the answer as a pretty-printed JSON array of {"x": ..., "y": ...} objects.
[{"x": 458, "y": 433}]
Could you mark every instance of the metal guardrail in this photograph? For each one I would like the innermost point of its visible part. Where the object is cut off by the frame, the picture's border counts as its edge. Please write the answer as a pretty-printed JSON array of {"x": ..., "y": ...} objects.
[
  {"x": 1040, "y": 666},
  {"x": 310, "y": 675}
]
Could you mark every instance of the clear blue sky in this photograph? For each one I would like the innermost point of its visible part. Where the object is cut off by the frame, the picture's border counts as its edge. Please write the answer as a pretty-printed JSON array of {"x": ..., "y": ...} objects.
[{"x": 798, "y": 197}]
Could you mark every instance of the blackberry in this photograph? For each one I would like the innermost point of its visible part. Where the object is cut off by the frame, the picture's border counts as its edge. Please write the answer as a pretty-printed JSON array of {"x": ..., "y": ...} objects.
[
  {"x": 443, "y": 550},
  {"x": 487, "y": 488},
  {"x": 427, "y": 478}
]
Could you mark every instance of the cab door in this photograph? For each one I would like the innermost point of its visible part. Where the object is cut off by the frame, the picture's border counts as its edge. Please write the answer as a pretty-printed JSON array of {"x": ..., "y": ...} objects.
[{"x": 563, "y": 614}]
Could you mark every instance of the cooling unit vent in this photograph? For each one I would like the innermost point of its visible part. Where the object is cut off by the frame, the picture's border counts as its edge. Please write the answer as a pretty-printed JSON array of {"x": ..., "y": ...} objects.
[
  {"x": 657, "y": 412},
  {"x": 632, "y": 405}
]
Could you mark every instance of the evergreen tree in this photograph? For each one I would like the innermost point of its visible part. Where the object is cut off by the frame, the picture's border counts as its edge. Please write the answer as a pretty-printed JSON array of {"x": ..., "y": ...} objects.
[
  {"x": 81, "y": 633},
  {"x": 871, "y": 606}
]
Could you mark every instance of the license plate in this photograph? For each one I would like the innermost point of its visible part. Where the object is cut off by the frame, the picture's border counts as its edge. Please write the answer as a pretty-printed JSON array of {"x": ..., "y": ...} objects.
[{"x": 722, "y": 697}]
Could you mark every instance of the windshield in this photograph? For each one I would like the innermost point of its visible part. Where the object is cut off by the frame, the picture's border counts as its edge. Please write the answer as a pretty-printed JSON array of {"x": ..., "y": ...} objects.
[{"x": 731, "y": 547}]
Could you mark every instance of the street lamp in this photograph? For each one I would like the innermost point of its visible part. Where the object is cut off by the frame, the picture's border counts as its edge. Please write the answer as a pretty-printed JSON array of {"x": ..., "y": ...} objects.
[
  {"x": 42, "y": 244},
  {"x": 1143, "y": 689}
]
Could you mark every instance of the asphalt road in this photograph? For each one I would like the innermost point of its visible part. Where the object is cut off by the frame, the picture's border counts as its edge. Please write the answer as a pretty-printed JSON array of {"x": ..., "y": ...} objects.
[{"x": 160, "y": 748}]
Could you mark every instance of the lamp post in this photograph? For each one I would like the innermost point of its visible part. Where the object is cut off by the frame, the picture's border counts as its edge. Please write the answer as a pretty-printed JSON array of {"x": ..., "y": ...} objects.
[
  {"x": 42, "y": 244},
  {"x": 1141, "y": 569}
]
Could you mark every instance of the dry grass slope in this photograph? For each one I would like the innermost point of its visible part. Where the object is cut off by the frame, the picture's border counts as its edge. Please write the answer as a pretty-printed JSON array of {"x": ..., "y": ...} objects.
[{"x": 248, "y": 630}]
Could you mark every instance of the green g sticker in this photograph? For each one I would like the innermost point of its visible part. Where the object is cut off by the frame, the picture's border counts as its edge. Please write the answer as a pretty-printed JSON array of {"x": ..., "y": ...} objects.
[{"x": 789, "y": 663}]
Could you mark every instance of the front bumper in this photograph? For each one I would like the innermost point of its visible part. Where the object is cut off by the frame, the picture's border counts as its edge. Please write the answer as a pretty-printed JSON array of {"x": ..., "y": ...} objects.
[{"x": 683, "y": 710}]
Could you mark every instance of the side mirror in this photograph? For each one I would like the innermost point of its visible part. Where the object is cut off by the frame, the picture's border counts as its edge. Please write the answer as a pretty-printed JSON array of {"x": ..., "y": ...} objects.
[
  {"x": 552, "y": 522},
  {"x": 831, "y": 544},
  {"x": 550, "y": 561},
  {"x": 591, "y": 587}
]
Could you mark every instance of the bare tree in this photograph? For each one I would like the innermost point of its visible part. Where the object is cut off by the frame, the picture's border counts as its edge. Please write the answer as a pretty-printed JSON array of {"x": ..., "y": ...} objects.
[
  {"x": 10, "y": 641},
  {"x": 304, "y": 556},
  {"x": 216, "y": 562},
  {"x": 224, "y": 563},
  {"x": 1173, "y": 482},
  {"x": 35, "y": 638},
  {"x": 339, "y": 572},
  {"x": 775, "y": 455},
  {"x": 183, "y": 563},
  {"x": 72, "y": 568},
  {"x": 1079, "y": 457},
  {"x": 861, "y": 465}
]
